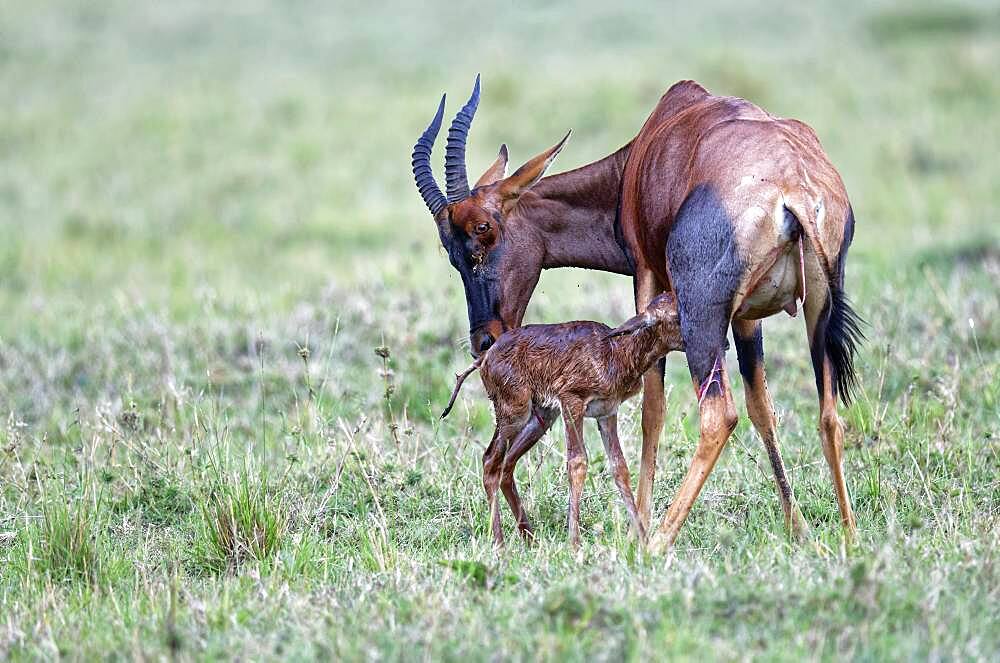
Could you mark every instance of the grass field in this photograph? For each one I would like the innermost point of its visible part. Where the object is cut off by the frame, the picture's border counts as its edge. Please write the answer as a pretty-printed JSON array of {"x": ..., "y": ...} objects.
[{"x": 209, "y": 228}]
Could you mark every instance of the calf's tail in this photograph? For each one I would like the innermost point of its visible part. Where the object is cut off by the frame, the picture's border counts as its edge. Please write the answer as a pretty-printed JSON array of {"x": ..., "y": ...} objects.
[{"x": 459, "y": 379}]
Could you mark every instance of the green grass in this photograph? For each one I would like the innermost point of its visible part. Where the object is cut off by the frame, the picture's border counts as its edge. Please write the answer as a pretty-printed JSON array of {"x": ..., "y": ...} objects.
[
  {"x": 228, "y": 328},
  {"x": 241, "y": 524},
  {"x": 65, "y": 546}
]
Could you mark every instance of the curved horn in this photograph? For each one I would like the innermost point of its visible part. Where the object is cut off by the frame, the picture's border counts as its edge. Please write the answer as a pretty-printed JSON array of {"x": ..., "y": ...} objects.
[
  {"x": 421, "y": 162},
  {"x": 456, "y": 181}
]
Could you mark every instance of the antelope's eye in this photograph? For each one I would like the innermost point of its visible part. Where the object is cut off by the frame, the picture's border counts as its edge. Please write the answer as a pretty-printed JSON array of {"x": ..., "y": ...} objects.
[{"x": 482, "y": 228}]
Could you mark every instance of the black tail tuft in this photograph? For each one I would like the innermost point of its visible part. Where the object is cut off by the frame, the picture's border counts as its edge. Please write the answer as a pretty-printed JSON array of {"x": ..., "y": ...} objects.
[{"x": 843, "y": 336}]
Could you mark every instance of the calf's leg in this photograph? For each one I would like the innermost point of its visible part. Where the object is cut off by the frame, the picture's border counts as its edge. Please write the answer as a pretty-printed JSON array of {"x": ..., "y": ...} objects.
[
  {"x": 540, "y": 422},
  {"x": 619, "y": 470},
  {"x": 576, "y": 463},
  {"x": 493, "y": 467}
]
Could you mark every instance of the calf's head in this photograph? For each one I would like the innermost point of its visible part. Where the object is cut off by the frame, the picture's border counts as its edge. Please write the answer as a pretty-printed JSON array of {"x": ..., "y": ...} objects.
[
  {"x": 495, "y": 249},
  {"x": 660, "y": 313}
]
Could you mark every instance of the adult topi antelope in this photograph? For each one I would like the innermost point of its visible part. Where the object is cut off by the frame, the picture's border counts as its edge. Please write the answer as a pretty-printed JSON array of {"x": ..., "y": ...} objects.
[{"x": 736, "y": 211}]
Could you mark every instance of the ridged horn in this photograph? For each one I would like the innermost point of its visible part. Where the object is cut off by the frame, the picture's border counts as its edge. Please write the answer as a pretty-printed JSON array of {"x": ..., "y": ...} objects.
[
  {"x": 421, "y": 162},
  {"x": 456, "y": 180}
]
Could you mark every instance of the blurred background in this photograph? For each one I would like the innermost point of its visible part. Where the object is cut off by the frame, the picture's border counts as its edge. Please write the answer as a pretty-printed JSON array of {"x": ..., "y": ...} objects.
[{"x": 182, "y": 158}]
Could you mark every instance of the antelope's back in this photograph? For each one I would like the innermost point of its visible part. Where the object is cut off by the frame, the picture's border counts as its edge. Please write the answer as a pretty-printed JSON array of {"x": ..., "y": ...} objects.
[{"x": 751, "y": 161}]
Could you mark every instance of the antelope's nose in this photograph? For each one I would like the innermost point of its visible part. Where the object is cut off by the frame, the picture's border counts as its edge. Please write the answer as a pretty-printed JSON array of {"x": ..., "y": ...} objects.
[{"x": 481, "y": 341}]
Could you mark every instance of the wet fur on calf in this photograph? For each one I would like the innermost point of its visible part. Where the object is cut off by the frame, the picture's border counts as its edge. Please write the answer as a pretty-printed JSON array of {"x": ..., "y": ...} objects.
[{"x": 583, "y": 369}]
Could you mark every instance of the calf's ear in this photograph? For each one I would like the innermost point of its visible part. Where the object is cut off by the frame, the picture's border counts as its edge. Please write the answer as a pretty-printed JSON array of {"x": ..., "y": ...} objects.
[{"x": 637, "y": 323}]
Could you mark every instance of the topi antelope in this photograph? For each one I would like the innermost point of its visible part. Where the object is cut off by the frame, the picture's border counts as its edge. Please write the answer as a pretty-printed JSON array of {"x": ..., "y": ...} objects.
[
  {"x": 737, "y": 212},
  {"x": 584, "y": 369}
]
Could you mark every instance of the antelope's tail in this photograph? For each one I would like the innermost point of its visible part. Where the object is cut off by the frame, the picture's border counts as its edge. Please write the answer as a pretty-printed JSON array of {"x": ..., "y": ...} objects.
[
  {"x": 843, "y": 329},
  {"x": 459, "y": 379},
  {"x": 844, "y": 334}
]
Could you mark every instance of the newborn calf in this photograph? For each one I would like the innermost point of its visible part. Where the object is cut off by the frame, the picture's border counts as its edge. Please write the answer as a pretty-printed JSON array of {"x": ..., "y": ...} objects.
[{"x": 585, "y": 369}]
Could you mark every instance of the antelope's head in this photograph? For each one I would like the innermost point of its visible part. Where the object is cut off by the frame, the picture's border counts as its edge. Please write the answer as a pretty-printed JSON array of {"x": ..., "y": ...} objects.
[{"x": 496, "y": 250}]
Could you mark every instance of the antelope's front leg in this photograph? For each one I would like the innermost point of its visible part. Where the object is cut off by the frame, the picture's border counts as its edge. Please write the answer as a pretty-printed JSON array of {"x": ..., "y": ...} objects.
[
  {"x": 718, "y": 418},
  {"x": 576, "y": 464},
  {"x": 653, "y": 405}
]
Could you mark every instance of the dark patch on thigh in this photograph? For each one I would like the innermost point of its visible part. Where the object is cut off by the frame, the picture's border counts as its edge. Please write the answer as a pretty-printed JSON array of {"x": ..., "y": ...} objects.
[
  {"x": 749, "y": 352},
  {"x": 705, "y": 267}
]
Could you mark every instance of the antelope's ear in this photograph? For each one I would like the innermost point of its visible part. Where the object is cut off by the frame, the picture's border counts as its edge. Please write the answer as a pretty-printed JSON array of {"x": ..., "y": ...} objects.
[
  {"x": 526, "y": 176},
  {"x": 634, "y": 324},
  {"x": 496, "y": 172}
]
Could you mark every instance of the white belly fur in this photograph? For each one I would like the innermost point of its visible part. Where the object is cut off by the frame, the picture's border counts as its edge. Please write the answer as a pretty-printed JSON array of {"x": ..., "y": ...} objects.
[{"x": 599, "y": 408}]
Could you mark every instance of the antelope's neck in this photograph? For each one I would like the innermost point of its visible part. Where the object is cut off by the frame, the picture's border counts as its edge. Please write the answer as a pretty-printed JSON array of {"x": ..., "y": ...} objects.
[{"x": 577, "y": 215}]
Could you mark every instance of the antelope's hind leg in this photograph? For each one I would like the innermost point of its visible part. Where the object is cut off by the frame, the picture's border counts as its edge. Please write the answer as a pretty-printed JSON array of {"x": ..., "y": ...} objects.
[
  {"x": 717, "y": 419},
  {"x": 750, "y": 353},
  {"x": 619, "y": 470},
  {"x": 540, "y": 422},
  {"x": 825, "y": 315}
]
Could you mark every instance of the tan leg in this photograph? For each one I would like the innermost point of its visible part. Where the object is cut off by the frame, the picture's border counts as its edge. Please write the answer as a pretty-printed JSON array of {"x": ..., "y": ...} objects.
[
  {"x": 831, "y": 435},
  {"x": 831, "y": 432},
  {"x": 619, "y": 470},
  {"x": 750, "y": 350},
  {"x": 576, "y": 464},
  {"x": 718, "y": 418},
  {"x": 653, "y": 408}
]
